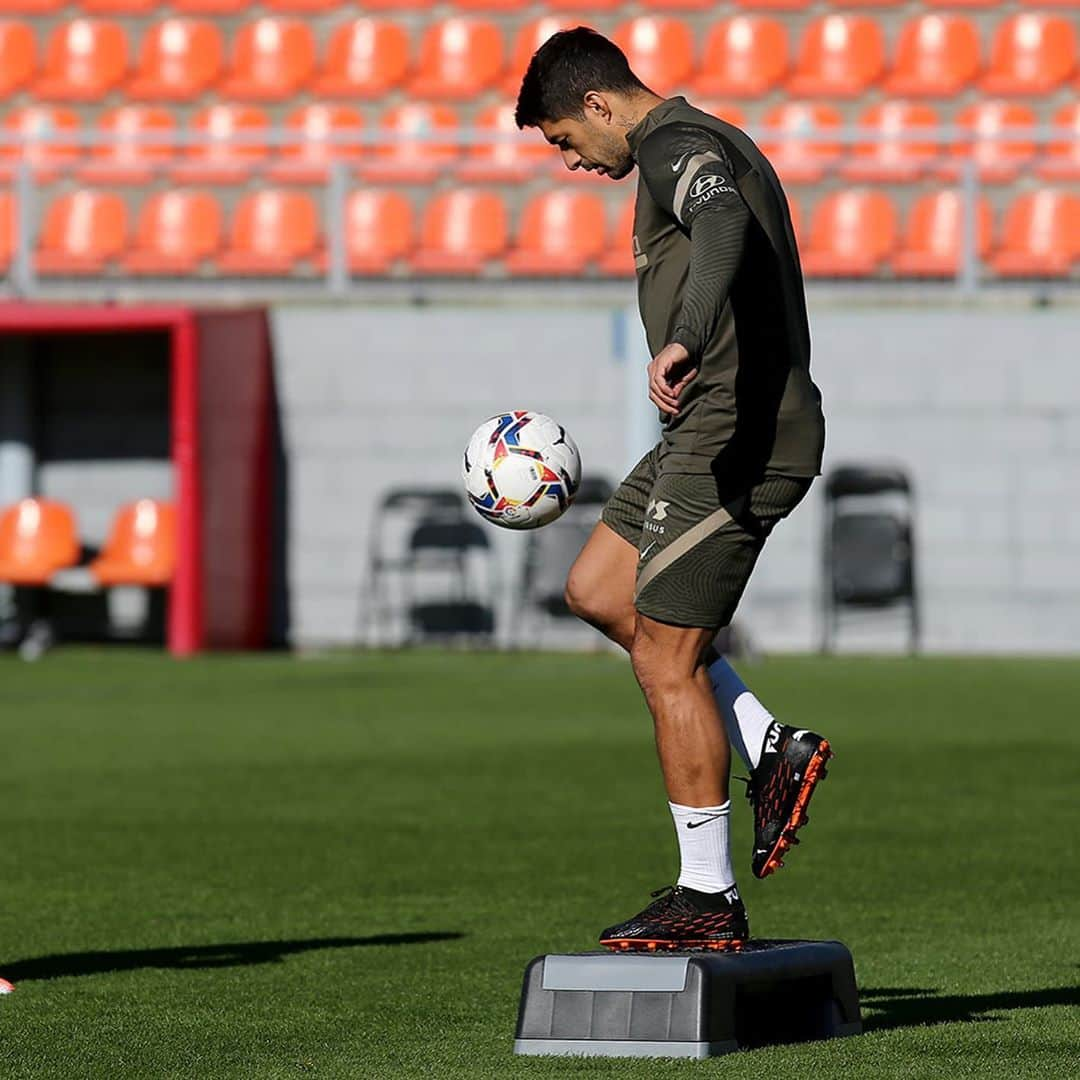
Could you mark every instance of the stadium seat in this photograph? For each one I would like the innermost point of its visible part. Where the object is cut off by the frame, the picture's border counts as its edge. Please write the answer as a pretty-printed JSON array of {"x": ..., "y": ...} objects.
[
  {"x": 839, "y": 56},
  {"x": 82, "y": 231},
  {"x": 618, "y": 259},
  {"x": 379, "y": 230},
  {"x": 1031, "y": 53},
  {"x": 491, "y": 5},
  {"x": 130, "y": 8},
  {"x": 272, "y": 230},
  {"x": 84, "y": 59},
  {"x": 365, "y": 58},
  {"x": 1041, "y": 235},
  {"x": 50, "y": 123},
  {"x": 7, "y": 228},
  {"x": 660, "y": 51},
  {"x": 176, "y": 231},
  {"x": 936, "y": 56},
  {"x": 851, "y": 233},
  {"x": 18, "y": 55},
  {"x": 724, "y": 110},
  {"x": 309, "y": 162},
  {"x": 126, "y": 160},
  {"x": 398, "y": 5},
  {"x": 37, "y": 538},
  {"x": 217, "y": 160},
  {"x": 891, "y": 157},
  {"x": 1062, "y": 160},
  {"x": 932, "y": 242},
  {"x": 999, "y": 160},
  {"x": 460, "y": 232},
  {"x": 272, "y": 58},
  {"x": 302, "y": 7},
  {"x": 521, "y": 156},
  {"x": 459, "y": 58},
  {"x": 795, "y": 213},
  {"x": 31, "y": 7},
  {"x": 744, "y": 57},
  {"x": 560, "y": 233},
  {"x": 528, "y": 39},
  {"x": 412, "y": 154},
  {"x": 678, "y": 5},
  {"x": 211, "y": 7},
  {"x": 584, "y": 5},
  {"x": 962, "y": 3},
  {"x": 773, "y": 5},
  {"x": 141, "y": 547},
  {"x": 178, "y": 60},
  {"x": 800, "y": 160}
]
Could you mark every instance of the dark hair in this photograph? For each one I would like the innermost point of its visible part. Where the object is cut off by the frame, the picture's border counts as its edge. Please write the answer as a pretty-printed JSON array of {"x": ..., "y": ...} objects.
[{"x": 564, "y": 69}]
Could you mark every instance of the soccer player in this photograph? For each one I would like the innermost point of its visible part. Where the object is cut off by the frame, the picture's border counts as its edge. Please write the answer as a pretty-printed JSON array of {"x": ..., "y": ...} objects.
[{"x": 721, "y": 296}]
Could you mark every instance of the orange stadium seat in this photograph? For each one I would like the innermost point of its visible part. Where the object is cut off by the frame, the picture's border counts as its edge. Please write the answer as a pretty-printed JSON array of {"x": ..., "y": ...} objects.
[
  {"x": 398, "y": 5},
  {"x": 272, "y": 58},
  {"x": 216, "y": 160},
  {"x": 724, "y": 110},
  {"x": 521, "y": 156},
  {"x": 851, "y": 232},
  {"x": 799, "y": 160},
  {"x": 119, "y": 7},
  {"x": 491, "y": 5},
  {"x": 18, "y": 55},
  {"x": 999, "y": 160},
  {"x": 141, "y": 548},
  {"x": 932, "y": 242},
  {"x": 560, "y": 233},
  {"x": 891, "y": 157},
  {"x": 7, "y": 228},
  {"x": 461, "y": 231},
  {"x": 773, "y": 5},
  {"x": 744, "y": 57},
  {"x": 618, "y": 259},
  {"x": 82, "y": 231},
  {"x": 936, "y": 56},
  {"x": 84, "y": 59},
  {"x": 528, "y": 39},
  {"x": 309, "y": 162},
  {"x": 679, "y": 5},
  {"x": 839, "y": 56},
  {"x": 1062, "y": 160},
  {"x": 795, "y": 213},
  {"x": 1041, "y": 235},
  {"x": 37, "y": 538},
  {"x": 178, "y": 60},
  {"x": 962, "y": 3},
  {"x": 31, "y": 7},
  {"x": 364, "y": 58},
  {"x": 125, "y": 160},
  {"x": 379, "y": 230},
  {"x": 660, "y": 50},
  {"x": 584, "y": 5},
  {"x": 1031, "y": 53},
  {"x": 302, "y": 7},
  {"x": 271, "y": 231},
  {"x": 211, "y": 7},
  {"x": 459, "y": 58},
  {"x": 50, "y": 123},
  {"x": 176, "y": 231},
  {"x": 412, "y": 154}
]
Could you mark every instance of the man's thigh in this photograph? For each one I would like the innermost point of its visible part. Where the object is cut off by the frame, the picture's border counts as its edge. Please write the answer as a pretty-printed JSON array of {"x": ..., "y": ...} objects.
[{"x": 696, "y": 553}]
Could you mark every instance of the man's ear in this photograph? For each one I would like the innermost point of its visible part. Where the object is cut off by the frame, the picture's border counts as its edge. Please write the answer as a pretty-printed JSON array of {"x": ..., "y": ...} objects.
[{"x": 598, "y": 104}]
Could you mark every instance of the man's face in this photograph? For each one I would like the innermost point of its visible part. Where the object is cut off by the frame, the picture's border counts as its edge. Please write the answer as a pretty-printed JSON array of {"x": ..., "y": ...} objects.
[{"x": 593, "y": 144}]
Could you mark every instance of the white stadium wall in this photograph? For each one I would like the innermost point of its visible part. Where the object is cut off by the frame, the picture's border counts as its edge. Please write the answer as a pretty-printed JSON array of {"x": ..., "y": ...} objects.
[{"x": 982, "y": 406}]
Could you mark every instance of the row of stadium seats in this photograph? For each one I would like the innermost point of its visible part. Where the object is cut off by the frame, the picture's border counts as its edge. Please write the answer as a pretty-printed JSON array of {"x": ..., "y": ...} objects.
[
  {"x": 905, "y": 147},
  {"x": 272, "y": 231},
  {"x": 274, "y": 58}
]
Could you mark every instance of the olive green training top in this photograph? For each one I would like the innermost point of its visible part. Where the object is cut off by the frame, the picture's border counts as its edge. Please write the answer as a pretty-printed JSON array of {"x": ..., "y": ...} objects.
[{"x": 718, "y": 271}]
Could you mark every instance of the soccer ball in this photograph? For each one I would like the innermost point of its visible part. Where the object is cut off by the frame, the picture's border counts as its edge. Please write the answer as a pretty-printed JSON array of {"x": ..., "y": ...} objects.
[{"x": 521, "y": 470}]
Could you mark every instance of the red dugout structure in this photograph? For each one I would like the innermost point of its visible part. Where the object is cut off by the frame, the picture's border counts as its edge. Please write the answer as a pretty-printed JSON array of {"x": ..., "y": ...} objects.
[{"x": 220, "y": 418}]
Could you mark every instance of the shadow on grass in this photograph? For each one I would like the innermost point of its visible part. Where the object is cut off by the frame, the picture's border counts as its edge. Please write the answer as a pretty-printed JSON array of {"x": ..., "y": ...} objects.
[
  {"x": 900, "y": 1007},
  {"x": 235, "y": 954}
]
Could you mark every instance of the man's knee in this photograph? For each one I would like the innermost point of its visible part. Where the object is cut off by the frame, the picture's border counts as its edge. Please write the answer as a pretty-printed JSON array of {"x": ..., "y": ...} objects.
[
  {"x": 587, "y": 600},
  {"x": 666, "y": 657}
]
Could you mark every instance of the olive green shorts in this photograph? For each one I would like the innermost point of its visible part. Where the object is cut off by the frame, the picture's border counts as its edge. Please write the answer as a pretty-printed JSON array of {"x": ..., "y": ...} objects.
[{"x": 697, "y": 544}]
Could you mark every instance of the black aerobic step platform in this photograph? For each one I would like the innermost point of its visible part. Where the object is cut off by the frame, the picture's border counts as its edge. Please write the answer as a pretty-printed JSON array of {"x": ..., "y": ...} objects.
[{"x": 687, "y": 1004}]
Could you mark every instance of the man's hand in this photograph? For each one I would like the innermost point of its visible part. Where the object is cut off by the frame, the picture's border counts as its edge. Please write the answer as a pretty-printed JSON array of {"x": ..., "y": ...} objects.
[{"x": 669, "y": 375}]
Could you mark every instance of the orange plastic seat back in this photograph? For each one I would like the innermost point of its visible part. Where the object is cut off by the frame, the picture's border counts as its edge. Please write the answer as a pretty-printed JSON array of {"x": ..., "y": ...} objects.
[
  {"x": 275, "y": 224},
  {"x": 84, "y": 59},
  {"x": 1065, "y": 151},
  {"x": 459, "y": 58},
  {"x": 465, "y": 223},
  {"x": 319, "y": 125},
  {"x": 37, "y": 538},
  {"x": 857, "y": 223},
  {"x": 1031, "y": 53},
  {"x": 839, "y": 54},
  {"x": 660, "y": 51},
  {"x": 141, "y": 548},
  {"x": 180, "y": 225},
  {"x": 1044, "y": 224},
  {"x": 745, "y": 56},
  {"x": 936, "y": 223},
  {"x": 793, "y": 122},
  {"x": 365, "y": 58},
  {"x": 899, "y": 119},
  {"x": 937, "y": 56},
  {"x": 18, "y": 55},
  {"x": 127, "y": 125},
  {"x": 521, "y": 150},
  {"x": 378, "y": 227},
  {"x": 50, "y": 124},
  {"x": 178, "y": 59},
  {"x": 989, "y": 118},
  {"x": 528, "y": 39},
  {"x": 85, "y": 225},
  {"x": 412, "y": 128},
  {"x": 563, "y": 223},
  {"x": 220, "y": 123},
  {"x": 272, "y": 58}
]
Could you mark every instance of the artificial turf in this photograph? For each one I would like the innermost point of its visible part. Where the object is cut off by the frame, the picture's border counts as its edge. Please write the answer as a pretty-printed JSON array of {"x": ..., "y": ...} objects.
[{"x": 275, "y": 867}]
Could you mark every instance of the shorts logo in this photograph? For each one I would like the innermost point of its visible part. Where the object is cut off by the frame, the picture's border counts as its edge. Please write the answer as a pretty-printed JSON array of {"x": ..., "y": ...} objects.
[
  {"x": 678, "y": 164},
  {"x": 658, "y": 509},
  {"x": 705, "y": 183}
]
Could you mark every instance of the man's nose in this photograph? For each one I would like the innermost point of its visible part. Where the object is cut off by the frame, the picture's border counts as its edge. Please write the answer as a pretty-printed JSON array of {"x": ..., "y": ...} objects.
[{"x": 571, "y": 159}]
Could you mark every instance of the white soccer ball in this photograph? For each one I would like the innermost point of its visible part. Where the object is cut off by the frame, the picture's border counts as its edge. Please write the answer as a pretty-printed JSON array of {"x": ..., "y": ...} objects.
[{"x": 521, "y": 470}]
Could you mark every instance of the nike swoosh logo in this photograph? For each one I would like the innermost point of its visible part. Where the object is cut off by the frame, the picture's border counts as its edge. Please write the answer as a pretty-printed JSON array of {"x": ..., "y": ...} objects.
[
  {"x": 800, "y": 733},
  {"x": 704, "y": 821},
  {"x": 679, "y": 164},
  {"x": 647, "y": 550}
]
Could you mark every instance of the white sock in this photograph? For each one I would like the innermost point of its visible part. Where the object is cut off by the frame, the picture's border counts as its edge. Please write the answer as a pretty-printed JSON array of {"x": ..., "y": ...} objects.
[
  {"x": 704, "y": 849},
  {"x": 745, "y": 718}
]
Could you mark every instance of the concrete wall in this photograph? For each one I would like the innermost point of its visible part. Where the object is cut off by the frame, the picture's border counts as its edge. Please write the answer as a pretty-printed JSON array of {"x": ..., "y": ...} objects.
[{"x": 983, "y": 407}]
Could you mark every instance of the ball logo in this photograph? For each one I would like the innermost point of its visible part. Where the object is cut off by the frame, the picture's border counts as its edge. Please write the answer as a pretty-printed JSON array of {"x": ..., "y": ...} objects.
[{"x": 705, "y": 183}]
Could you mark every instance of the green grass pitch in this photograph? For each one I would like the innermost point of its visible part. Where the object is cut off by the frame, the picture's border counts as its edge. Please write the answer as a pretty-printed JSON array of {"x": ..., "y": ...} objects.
[{"x": 271, "y": 867}]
